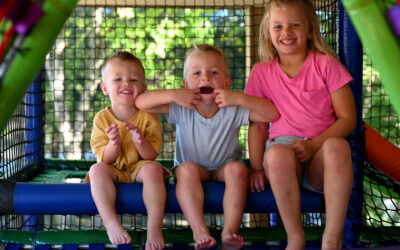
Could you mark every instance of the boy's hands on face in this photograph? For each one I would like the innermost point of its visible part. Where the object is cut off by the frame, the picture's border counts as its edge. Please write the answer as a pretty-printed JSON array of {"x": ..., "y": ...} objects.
[
  {"x": 226, "y": 97},
  {"x": 188, "y": 98},
  {"x": 113, "y": 134},
  {"x": 137, "y": 137}
]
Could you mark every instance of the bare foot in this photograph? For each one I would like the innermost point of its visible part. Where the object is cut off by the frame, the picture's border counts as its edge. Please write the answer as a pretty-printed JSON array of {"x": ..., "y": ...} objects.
[
  {"x": 117, "y": 234},
  {"x": 232, "y": 242},
  {"x": 203, "y": 241},
  {"x": 155, "y": 240}
]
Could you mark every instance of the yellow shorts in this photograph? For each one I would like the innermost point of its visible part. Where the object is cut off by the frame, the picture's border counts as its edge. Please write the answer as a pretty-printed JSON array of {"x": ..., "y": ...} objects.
[{"x": 128, "y": 175}]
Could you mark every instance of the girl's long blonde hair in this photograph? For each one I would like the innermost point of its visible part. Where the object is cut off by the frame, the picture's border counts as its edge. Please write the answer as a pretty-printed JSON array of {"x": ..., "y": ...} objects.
[{"x": 267, "y": 50}]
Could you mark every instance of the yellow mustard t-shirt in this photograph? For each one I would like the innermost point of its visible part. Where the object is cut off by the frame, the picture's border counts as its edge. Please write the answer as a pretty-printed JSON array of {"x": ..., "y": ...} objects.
[{"x": 148, "y": 124}]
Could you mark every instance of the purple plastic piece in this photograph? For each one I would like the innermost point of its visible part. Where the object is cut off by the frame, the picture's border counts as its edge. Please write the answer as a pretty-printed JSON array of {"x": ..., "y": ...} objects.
[
  {"x": 24, "y": 14},
  {"x": 394, "y": 18}
]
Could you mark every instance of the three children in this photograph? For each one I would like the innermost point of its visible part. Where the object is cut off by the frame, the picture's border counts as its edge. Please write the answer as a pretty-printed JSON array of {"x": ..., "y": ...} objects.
[{"x": 306, "y": 141}]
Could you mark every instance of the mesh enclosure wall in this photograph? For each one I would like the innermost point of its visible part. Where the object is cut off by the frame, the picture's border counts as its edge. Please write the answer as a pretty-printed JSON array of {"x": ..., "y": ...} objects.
[{"x": 160, "y": 36}]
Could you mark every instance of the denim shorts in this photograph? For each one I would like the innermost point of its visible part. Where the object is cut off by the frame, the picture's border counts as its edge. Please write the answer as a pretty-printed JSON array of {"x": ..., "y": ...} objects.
[{"x": 285, "y": 139}]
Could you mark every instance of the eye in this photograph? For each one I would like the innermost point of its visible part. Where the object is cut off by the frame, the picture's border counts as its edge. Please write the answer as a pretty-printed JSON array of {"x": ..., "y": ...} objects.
[
  {"x": 295, "y": 25},
  {"x": 214, "y": 72},
  {"x": 196, "y": 73},
  {"x": 118, "y": 79},
  {"x": 134, "y": 80},
  {"x": 277, "y": 27}
]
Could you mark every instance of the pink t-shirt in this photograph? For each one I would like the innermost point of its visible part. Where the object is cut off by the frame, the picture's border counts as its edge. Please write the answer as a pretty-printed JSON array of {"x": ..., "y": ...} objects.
[{"x": 304, "y": 102}]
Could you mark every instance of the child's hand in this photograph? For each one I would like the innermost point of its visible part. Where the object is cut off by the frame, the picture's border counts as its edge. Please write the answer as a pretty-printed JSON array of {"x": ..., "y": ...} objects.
[
  {"x": 257, "y": 181},
  {"x": 188, "y": 98},
  {"x": 303, "y": 150},
  {"x": 137, "y": 137},
  {"x": 113, "y": 134},
  {"x": 226, "y": 97}
]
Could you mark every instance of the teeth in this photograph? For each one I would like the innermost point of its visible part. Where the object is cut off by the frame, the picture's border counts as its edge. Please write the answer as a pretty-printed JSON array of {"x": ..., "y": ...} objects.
[
  {"x": 287, "y": 41},
  {"x": 126, "y": 92}
]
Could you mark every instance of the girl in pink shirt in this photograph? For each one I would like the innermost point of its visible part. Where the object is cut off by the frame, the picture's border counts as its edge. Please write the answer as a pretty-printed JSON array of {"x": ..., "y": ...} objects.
[{"x": 311, "y": 90}]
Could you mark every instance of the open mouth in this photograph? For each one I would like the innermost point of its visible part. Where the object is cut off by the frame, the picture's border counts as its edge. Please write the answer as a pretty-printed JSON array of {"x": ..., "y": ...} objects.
[{"x": 206, "y": 90}]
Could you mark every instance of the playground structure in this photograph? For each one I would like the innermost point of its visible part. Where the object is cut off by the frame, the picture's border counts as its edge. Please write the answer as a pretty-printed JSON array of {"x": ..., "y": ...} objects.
[{"x": 44, "y": 141}]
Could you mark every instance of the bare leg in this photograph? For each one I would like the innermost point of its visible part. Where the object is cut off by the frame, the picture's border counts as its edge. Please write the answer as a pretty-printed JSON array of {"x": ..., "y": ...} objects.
[
  {"x": 283, "y": 171},
  {"x": 104, "y": 194},
  {"x": 335, "y": 176},
  {"x": 235, "y": 176},
  {"x": 190, "y": 195},
  {"x": 154, "y": 196}
]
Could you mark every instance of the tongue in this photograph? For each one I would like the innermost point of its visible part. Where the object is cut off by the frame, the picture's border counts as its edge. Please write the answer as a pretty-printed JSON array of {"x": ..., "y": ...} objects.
[{"x": 206, "y": 90}]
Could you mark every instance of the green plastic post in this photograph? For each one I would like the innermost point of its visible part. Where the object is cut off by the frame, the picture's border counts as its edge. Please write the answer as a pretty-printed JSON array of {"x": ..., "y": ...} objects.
[
  {"x": 376, "y": 35},
  {"x": 27, "y": 63}
]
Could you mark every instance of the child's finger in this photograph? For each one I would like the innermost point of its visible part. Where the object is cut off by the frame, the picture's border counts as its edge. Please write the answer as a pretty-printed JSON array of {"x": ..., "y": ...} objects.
[
  {"x": 127, "y": 125},
  {"x": 110, "y": 128},
  {"x": 130, "y": 127}
]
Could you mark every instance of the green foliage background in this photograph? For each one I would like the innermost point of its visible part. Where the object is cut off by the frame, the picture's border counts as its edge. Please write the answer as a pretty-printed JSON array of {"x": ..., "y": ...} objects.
[{"x": 160, "y": 37}]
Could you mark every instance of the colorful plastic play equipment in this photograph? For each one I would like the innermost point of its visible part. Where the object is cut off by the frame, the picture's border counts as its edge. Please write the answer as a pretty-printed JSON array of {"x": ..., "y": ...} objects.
[
  {"x": 393, "y": 14},
  {"x": 382, "y": 154},
  {"x": 376, "y": 35},
  {"x": 28, "y": 198},
  {"x": 31, "y": 55}
]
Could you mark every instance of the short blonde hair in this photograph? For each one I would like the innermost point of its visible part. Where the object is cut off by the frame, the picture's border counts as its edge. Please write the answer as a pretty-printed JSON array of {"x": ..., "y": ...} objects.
[
  {"x": 124, "y": 56},
  {"x": 266, "y": 49},
  {"x": 205, "y": 48}
]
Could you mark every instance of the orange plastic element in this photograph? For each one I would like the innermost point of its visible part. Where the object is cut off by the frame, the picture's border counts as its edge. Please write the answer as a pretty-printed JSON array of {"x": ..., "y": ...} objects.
[{"x": 382, "y": 154}]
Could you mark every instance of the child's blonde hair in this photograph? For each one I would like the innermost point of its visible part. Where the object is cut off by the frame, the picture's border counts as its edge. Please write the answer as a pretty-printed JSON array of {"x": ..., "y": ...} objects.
[
  {"x": 266, "y": 49},
  {"x": 205, "y": 48},
  {"x": 124, "y": 56}
]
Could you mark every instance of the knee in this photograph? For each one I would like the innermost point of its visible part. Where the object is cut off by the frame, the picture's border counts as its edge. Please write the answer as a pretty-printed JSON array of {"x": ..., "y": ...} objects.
[
  {"x": 99, "y": 170},
  {"x": 152, "y": 172},
  {"x": 335, "y": 145},
  {"x": 236, "y": 170},
  {"x": 336, "y": 149},
  {"x": 188, "y": 171},
  {"x": 280, "y": 160}
]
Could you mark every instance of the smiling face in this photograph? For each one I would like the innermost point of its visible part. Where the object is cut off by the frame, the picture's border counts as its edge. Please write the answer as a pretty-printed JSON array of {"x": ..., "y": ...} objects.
[
  {"x": 123, "y": 81},
  {"x": 289, "y": 30},
  {"x": 206, "y": 70}
]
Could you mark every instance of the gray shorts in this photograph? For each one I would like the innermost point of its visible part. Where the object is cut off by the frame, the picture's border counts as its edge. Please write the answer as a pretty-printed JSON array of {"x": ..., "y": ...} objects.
[{"x": 285, "y": 139}]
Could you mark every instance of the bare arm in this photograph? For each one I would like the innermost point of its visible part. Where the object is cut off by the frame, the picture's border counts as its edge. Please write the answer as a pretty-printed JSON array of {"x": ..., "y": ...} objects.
[
  {"x": 157, "y": 101},
  {"x": 112, "y": 149},
  {"x": 345, "y": 110},
  {"x": 261, "y": 110},
  {"x": 344, "y": 106},
  {"x": 143, "y": 146},
  {"x": 146, "y": 150},
  {"x": 257, "y": 135}
]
